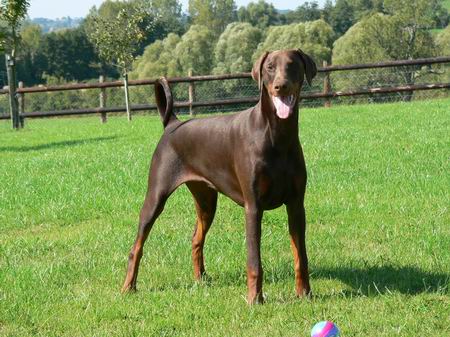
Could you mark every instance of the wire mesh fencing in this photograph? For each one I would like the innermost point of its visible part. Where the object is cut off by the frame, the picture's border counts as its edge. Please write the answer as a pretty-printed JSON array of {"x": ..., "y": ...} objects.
[{"x": 334, "y": 85}]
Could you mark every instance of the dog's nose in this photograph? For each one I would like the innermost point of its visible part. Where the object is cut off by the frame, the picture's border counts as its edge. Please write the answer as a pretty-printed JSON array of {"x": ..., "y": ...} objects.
[{"x": 280, "y": 86}]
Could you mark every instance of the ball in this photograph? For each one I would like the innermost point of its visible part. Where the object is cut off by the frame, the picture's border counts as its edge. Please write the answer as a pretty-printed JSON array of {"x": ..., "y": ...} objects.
[{"x": 325, "y": 329}]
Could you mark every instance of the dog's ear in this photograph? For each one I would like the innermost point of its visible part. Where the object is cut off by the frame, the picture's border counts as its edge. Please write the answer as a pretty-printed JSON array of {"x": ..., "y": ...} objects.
[
  {"x": 257, "y": 69},
  {"x": 310, "y": 65}
]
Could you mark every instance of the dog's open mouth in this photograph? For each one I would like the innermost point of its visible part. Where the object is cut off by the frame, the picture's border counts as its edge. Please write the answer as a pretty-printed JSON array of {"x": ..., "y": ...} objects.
[{"x": 284, "y": 105}]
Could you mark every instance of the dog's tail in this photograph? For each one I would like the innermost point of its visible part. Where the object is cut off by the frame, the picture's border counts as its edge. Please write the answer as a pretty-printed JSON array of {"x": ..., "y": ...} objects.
[{"x": 164, "y": 101}]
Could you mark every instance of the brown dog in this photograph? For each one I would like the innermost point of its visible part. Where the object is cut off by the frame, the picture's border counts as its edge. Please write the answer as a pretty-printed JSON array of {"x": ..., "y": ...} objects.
[{"x": 254, "y": 157}]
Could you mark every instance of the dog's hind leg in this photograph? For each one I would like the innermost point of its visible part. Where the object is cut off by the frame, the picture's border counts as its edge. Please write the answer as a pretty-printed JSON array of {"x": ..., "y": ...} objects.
[
  {"x": 205, "y": 199},
  {"x": 165, "y": 177}
]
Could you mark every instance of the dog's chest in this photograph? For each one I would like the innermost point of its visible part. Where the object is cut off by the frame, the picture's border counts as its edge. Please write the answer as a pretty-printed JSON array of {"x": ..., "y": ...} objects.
[{"x": 276, "y": 181}]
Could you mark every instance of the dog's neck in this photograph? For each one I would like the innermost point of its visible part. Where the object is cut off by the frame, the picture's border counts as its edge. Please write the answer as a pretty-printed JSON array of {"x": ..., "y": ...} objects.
[{"x": 280, "y": 131}]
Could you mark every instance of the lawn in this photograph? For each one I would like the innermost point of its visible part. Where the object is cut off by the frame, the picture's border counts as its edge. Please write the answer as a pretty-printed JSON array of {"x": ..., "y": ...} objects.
[{"x": 378, "y": 232}]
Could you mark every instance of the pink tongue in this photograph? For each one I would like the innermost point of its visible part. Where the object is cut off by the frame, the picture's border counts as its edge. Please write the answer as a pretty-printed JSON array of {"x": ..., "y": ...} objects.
[{"x": 283, "y": 108}]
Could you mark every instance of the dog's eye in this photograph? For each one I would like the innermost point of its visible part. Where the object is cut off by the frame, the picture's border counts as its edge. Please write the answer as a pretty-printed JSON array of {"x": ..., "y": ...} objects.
[{"x": 271, "y": 67}]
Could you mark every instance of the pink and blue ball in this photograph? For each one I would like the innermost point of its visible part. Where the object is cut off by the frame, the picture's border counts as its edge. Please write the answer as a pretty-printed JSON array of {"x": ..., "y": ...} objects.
[{"x": 325, "y": 329}]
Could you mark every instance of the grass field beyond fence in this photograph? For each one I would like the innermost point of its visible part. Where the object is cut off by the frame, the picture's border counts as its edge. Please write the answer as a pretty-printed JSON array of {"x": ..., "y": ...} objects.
[{"x": 378, "y": 232}]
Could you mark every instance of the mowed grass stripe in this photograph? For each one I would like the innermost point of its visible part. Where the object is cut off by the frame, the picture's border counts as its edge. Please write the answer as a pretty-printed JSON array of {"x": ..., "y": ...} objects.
[{"x": 378, "y": 232}]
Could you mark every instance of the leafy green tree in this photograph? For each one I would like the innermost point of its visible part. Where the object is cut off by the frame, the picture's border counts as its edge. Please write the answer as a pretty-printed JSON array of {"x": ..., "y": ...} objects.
[
  {"x": 314, "y": 38},
  {"x": 175, "y": 56},
  {"x": 413, "y": 20},
  {"x": 309, "y": 11},
  {"x": 362, "y": 8},
  {"x": 366, "y": 38},
  {"x": 163, "y": 15},
  {"x": 158, "y": 59},
  {"x": 214, "y": 14},
  {"x": 31, "y": 36},
  {"x": 233, "y": 54},
  {"x": 12, "y": 12},
  {"x": 234, "y": 50},
  {"x": 443, "y": 44},
  {"x": 443, "y": 41},
  {"x": 67, "y": 54},
  {"x": 170, "y": 19},
  {"x": 380, "y": 37},
  {"x": 259, "y": 14},
  {"x": 195, "y": 51},
  {"x": 31, "y": 40},
  {"x": 326, "y": 11},
  {"x": 342, "y": 17},
  {"x": 117, "y": 40},
  {"x": 441, "y": 16}
]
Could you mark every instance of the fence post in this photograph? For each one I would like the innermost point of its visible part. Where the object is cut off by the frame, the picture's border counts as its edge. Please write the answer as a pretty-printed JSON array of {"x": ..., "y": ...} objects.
[
  {"x": 191, "y": 95},
  {"x": 326, "y": 85},
  {"x": 21, "y": 100},
  {"x": 13, "y": 104},
  {"x": 127, "y": 96},
  {"x": 102, "y": 98}
]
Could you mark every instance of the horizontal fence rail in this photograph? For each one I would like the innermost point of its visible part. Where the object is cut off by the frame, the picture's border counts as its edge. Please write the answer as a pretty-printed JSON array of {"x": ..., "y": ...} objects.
[{"x": 188, "y": 89}]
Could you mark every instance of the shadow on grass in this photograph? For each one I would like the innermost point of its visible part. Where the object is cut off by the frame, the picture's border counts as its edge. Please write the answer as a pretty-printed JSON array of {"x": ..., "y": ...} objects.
[
  {"x": 370, "y": 281},
  {"x": 374, "y": 281},
  {"x": 55, "y": 145}
]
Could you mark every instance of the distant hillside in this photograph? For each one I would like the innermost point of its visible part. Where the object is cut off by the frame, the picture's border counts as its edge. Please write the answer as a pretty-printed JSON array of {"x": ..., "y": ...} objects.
[{"x": 49, "y": 25}]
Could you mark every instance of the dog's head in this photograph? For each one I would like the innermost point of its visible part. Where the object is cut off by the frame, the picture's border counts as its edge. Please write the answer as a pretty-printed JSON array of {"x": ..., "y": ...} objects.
[{"x": 282, "y": 72}]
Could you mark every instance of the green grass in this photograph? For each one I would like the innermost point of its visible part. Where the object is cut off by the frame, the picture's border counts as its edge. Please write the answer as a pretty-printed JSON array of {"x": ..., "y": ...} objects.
[{"x": 378, "y": 232}]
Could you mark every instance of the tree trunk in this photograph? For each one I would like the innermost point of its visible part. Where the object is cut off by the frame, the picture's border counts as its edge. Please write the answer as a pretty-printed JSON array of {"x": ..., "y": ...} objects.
[
  {"x": 127, "y": 97},
  {"x": 13, "y": 102}
]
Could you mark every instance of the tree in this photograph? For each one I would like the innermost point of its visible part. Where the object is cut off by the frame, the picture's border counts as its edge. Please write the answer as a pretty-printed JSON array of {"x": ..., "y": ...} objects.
[
  {"x": 362, "y": 8},
  {"x": 233, "y": 53},
  {"x": 31, "y": 40},
  {"x": 234, "y": 50},
  {"x": 314, "y": 38},
  {"x": 443, "y": 44},
  {"x": 117, "y": 40},
  {"x": 326, "y": 11},
  {"x": 175, "y": 56},
  {"x": 309, "y": 11},
  {"x": 443, "y": 41},
  {"x": 12, "y": 12},
  {"x": 67, "y": 54},
  {"x": 31, "y": 36},
  {"x": 169, "y": 19},
  {"x": 165, "y": 15},
  {"x": 413, "y": 20},
  {"x": 381, "y": 37},
  {"x": 158, "y": 59},
  {"x": 260, "y": 14},
  {"x": 195, "y": 51},
  {"x": 342, "y": 17},
  {"x": 214, "y": 14}
]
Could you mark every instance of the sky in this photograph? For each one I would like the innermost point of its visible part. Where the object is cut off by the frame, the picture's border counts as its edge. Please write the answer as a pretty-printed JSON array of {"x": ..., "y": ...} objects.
[{"x": 53, "y": 9}]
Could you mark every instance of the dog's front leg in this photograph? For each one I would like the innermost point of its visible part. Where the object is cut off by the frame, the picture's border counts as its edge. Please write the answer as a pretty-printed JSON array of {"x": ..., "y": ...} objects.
[
  {"x": 253, "y": 216},
  {"x": 297, "y": 231}
]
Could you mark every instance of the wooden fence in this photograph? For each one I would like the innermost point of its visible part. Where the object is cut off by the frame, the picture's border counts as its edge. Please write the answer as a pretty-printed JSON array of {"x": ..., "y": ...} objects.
[{"x": 325, "y": 95}]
